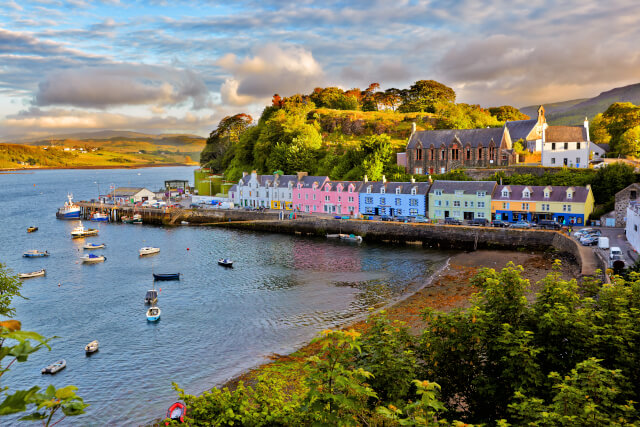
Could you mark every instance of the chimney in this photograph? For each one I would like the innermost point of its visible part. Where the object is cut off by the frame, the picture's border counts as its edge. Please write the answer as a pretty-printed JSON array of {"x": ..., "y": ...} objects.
[
  {"x": 586, "y": 127},
  {"x": 301, "y": 174},
  {"x": 413, "y": 128},
  {"x": 430, "y": 180},
  {"x": 384, "y": 179},
  {"x": 244, "y": 174},
  {"x": 413, "y": 180},
  {"x": 366, "y": 179}
]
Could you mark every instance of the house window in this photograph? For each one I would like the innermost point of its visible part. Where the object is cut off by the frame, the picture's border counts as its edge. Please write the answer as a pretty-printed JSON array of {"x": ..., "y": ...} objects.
[
  {"x": 525, "y": 206},
  {"x": 577, "y": 160},
  {"x": 480, "y": 153},
  {"x": 566, "y": 145},
  {"x": 306, "y": 197},
  {"x": 505, "y": 193},
  {"x": 553, "y": 160},
  {"x": 382, "y": 190},
  {"x": 479, "y": 214},
  {"x": 456, "y": 203},
  {"x": 327, "y": 198},
  {"x": 299, "y": 196},
  {"x": 505, "y": 206},
  {"x": 398, "y": 201},
  {"x": 442, "y": 155},
  {"x": 413, "y": 212},
  {"x": 632, "y": 195},
  {"x": 481, "y": 193},
  {"x": 468, "y": 154},
  {"x": 314, "y": 197},
  {"x": 459, "y": 192},
  {"x": 526, "y": 194},
  {"x": 369, "y": 210},
  {"x": 455, "y": 154},
  {"x": 419, "y": 154},
  {"x": 413, "y": 191},
  {"x": 413, "y": 202},
  {"x": 369, "y": 189},
  {"x": 437, "y": 203},
  {"x": 446, "y": 203},
  {"x": 546, "y": 194},
  {"x": 481, "y": 205},
  {"x": 569, "y": 195},
  {"x": 635, "y": 227},
  {"x": 368, "y": 200},
  {"x": 383, "y": 201},
  {"x": 466, "y": 204},
  {"x": 351, "y": 199},
  {"x": 578, "y": 146},
  {"x": 350, "y": 189},
  {"x": 398, "y": 190},
  {"x": 431, "y": 154},
  {"x": 438, "y": 213},
  {"x": 553, "y": 146},
  {"x": 418, "y": 171},
  {"x": 437, "y": 192}
]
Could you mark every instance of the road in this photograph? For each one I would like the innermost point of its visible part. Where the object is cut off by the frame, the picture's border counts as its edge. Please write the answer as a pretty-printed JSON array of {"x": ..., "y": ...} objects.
[{"x": 616, "y": 238}]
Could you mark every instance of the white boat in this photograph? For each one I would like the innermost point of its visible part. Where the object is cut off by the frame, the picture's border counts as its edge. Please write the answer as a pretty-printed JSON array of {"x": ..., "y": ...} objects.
[
  {"x": 70, "y": 210},
  {"x": 153, "y": 314},
  {"x": 34, "y": 253},
  {"x": 91, "y": 258},
  {"x": 351, "y": 238},
  {"x": 55, "y": 367},
  {"x": 148, "y": 250},
  {"x": 82, "y": 231},
  {"x": 32, "y": 274},
  {"x": 95, "y": 246},
  {"x": 99, "y": 216},
  {"x": 225, "y": 262},
  {"x": 92, "y": 347}
]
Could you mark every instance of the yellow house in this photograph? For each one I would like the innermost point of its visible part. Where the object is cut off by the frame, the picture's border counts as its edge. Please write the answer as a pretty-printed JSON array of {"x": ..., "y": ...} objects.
[{"x": 566, "y": 205}]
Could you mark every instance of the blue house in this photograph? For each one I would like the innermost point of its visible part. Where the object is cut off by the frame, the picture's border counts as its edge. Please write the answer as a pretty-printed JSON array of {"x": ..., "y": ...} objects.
[{"x": 393, "y": 198}]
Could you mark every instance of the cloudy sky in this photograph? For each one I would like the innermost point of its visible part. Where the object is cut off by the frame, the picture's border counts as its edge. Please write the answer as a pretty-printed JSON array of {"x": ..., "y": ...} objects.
[{"x": 180, "y": 66}]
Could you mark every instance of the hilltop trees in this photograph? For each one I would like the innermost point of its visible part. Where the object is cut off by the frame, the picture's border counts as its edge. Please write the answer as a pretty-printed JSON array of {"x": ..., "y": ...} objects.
[
  {"x": 616, "y": 127},
  {"x": 427, "y": 96},
  {"x": 507, "y": 112},
  {"x": 222, "y": 138}
]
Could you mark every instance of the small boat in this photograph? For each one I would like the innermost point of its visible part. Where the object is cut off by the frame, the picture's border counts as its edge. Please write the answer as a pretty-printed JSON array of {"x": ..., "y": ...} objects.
[
  {"x": 151, "y": 297},
  {"x": 177, "y": 411},
  {"x": 32, "y": 229},
  {"x": 99, "y": 216},
  {"x": 92, "y": 347},
  {"x": 55, "y": 367},
  {"x": 137, "y": 219},
  {"x": 34, "y": 253},
  {"x": 147, "y": 250},
  {"x": 225, "y": 262},
  {"x": 92, "y": 258},
  {"x": 153, "y": 314},
  {"x": 81, "y": 231},
  {"x": 351, "y": 238},
  {"x": 184, "y": 222},
  {"x": 333, "y": 236},
  {"x": 32, "y": 274},
  {"x": 70, "y": 210},
  {"x": 95, "y": 246},
  {"x": 166, "y": 276}
]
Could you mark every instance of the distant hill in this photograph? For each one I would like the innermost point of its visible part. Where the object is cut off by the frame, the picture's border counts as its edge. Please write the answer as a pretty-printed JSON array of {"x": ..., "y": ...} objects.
[
  {"x": 102, "y": 135},
  {"x": 573, "y": 112}
]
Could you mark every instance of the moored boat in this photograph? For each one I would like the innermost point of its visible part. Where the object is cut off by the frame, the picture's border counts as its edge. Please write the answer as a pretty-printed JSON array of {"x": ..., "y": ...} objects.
[
  {"x": 92, "y": 347},
  {"x": 151, "y": 297},
  {"x": 351, "y": 238},
  {"x": 148, "y": 250},
  {"x": 92, "y": 258},
  {"x": 32, "y": 229},
  {"x": 99, "y": 216},
  {"x": 137, "y": 219},
  {"x": 177, "y": 411},
  {"x": 34, "y": 253},
  {"x": 70, "y": 210},
  {"x": 166, "y": 276},
  {"x": 82, "y": 231},
  {"x": 153, "y": 314},
  {"x": 94, "y": 246},
  {"x": 225, "y": 262},
  {"x": 55, "y": 367},
  {"x": 32, "y": 274}
]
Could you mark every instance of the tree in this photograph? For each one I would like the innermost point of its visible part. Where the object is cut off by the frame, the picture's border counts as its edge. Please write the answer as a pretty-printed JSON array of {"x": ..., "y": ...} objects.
[
  {"x": 465, "y": 116},
  {"x": 598, "y": 130},
  {"x": 507, "y": 112},
  {"x": 619, "y": 118},
  {"x": 222, "y": 139},
  {"x": 427, "y": 96},
  {"x": 629, "y": 142}
]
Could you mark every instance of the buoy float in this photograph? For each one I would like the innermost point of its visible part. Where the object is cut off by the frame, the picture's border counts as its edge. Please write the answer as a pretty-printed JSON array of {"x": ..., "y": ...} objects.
[{"x": 187, "y": 248}]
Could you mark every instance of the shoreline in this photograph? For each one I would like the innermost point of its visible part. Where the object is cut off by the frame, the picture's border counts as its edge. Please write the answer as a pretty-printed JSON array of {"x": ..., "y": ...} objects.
[{"x": 122, "y": 166}]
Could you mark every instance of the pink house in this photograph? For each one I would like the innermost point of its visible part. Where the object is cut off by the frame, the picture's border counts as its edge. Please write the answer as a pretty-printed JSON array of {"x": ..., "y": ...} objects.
[
  {"x": 340, "y": 197},
  {"x": 307, "y": 194}
]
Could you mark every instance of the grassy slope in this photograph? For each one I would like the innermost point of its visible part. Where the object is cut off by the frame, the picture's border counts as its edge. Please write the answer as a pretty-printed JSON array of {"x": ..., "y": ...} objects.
[{"x": 111, "y": 152}]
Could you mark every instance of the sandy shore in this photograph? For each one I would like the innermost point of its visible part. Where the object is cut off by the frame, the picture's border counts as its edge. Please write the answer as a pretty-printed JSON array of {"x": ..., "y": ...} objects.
[{"x": 447, "y": 290}]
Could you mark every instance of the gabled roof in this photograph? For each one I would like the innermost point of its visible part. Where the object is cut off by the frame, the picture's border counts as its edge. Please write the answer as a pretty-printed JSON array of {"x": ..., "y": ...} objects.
[
  {"x": 467, "y": 187},
  {"x": 345, "y": 185},
  {"x": 520, "y": 129},
  {"x": 284, "y": 180},
  {"x": 474, "y": 137},
  {"x": 558, "y": 193},
  {"x": 234, "y": 187},
  {"x": 307, "y": 181},
  {"x": 565, "y": 134},
  {"x": 127, "y": 191},
  {"x": 390, "y": 187}
]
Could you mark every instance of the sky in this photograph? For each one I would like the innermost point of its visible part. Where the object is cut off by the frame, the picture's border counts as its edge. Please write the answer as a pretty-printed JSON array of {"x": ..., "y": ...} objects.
[{"x": 180, "y": 66}]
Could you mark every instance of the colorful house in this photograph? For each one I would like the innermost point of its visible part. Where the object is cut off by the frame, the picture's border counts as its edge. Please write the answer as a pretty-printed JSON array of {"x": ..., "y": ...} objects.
[
  {"x": 463, "y": 200},
  {"x": 566, "y": 205},
  {"x": 307, "y": 194},
  {"x": 393, "y": 198},
  {"x": 281, "y": 193},
  {"x": 341, "y": 197}
]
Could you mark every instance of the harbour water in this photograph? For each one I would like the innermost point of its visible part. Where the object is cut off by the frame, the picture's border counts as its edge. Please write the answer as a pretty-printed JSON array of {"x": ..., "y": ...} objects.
[{"x": 216, "y": 322}]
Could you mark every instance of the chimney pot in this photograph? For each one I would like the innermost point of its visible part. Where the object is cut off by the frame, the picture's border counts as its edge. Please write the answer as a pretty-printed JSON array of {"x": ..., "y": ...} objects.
[
  {"x": 366, "y": 179},
  {"x": 384, "y": 178}
]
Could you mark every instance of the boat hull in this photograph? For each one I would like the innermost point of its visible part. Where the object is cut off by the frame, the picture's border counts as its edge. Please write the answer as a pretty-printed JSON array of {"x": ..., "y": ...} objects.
[
  {"x": 74, "y": 214},
  {"x": 36, "y": 255},
  {"x": 33, "y": 274},
  {"x": 172, "y": 276}
]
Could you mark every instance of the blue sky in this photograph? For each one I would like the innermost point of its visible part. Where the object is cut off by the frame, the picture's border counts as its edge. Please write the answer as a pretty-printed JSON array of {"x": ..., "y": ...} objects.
[{"x": 180, "y": 66}]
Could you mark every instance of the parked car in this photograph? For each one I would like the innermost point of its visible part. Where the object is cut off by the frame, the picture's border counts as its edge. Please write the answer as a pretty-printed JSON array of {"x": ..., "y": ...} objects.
[
  {"x": 481, "y": 222},
  {"x": 452, "y": 221},
  {"x": 520, "y": 224},
  {"x": 549, "y": 224},
  {"x": 582, "y": 232},
  {"x": 499, "y": 223},
  {"x": 385, "y": 218},
  {"x": 420, "y": 218},
  {"x": 589, "y": 240}
]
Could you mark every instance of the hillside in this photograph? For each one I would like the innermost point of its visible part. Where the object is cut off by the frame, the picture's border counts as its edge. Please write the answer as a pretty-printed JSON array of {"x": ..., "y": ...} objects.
[{"x": 573, "y": 112}]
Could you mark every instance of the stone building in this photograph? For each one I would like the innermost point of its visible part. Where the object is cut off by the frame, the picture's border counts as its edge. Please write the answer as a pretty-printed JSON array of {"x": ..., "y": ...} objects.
[{"x": 624, "y": 198}]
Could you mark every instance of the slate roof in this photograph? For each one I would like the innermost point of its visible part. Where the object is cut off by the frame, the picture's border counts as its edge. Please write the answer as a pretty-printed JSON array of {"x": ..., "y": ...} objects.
[
  {"x": 284, "y": 180},
  {"x": 558, "y": 193},
  {"x": 234, "y": 187},
  {"x": 474, "y": 137},
  {"x": 345, "y": 185},
  {"x": 565, "y": 134},
  {"x": 519, "y": 129},
  {"x": 467, "y": 187},
  {"x": 307, "y": 181},
  {"x": 605, "y": 147},
  {"x": 390, "y": 187},
  {"x": 127, "y": 191}
]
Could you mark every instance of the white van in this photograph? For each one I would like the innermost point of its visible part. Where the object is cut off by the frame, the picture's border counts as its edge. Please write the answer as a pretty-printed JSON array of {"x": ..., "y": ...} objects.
[{"x": 615, "y": 252}]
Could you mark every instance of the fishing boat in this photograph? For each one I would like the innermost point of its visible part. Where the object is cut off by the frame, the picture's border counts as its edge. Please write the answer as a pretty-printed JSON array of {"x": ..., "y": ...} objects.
[
  {"x": 99, "y": 216},
  {"x": 70, "y": 210},
  {"x": 32, "y": 274},
  {"x": 177, "y": 411},
  {"x": 82, "y": 231},
  {"x": 166, "y": 276},
  {"x": 351, "y": 238},
  {"x": 55, "y": 367},
  {"x": 151, "y": 297},
  {"x": 92, "y": 258},
  {"x": 92, "y": 347},
  {"x": 94, "y": 246},
  {"x": 153, "y": 314},
  {"x": 32, "y": 229},
  {"x": 34, "y": 253},
  {"x": 225, "y": 262},
  {"x": 148, "y": 250},
  {"x": 137, "y": 219}
]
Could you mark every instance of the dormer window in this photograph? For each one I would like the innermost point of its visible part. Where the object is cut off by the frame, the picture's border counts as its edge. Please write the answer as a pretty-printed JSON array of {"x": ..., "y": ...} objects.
[
  {"x": 547, "y": 194},
  {"x": 526, "y": 194},
  {"x": 397, "y": 190},
  {"x": 437, "y": 192},
  {"x": 505, "y": 193},
  {"x": 382, "y": 190},
  {"x": 414, "y": 191},
  {"x": 569, "y": 194},
  {"x": 369, "y": 189},
  {"x": 351, "y": 189}
]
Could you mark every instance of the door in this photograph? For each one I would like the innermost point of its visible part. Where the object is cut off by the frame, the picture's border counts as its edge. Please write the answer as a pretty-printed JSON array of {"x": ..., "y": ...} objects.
[
  {"x": 446, "y": 214},
  {"x": 376, "y": 211},
  {"x": 468, "y": 215}
]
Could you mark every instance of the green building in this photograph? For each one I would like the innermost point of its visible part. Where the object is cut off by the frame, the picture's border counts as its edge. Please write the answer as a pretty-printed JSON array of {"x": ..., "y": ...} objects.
[{"x": 463, "y": 200}]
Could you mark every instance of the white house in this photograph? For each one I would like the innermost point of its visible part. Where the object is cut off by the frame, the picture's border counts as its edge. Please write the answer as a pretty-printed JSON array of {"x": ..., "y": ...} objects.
[
  {"x": 131, "y": 195},
  {"x": 264, "y": 191},
  {"x": 632, "y": 229},
  {"x": 569, "y": 146}
]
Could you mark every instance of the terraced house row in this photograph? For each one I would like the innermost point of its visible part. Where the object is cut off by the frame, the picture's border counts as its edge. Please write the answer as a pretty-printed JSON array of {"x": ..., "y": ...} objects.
[{"x": 437, "y": 200}]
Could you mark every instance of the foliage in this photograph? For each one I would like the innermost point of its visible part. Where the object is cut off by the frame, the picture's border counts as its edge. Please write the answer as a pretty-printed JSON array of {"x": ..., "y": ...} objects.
[
  {"x": 507, "y": 113},
  {"x": 9, "y": 288},
  {"x": 465, "y": 116},
  {"x": 629, "y": 142},
  {"x": 428, "y": 96},
  {"x": 222, "y": 138},
  {"x": 424, "y": 412},
  {"x": 519, "y": 146},
  {"x": 610, "y": 126}
]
